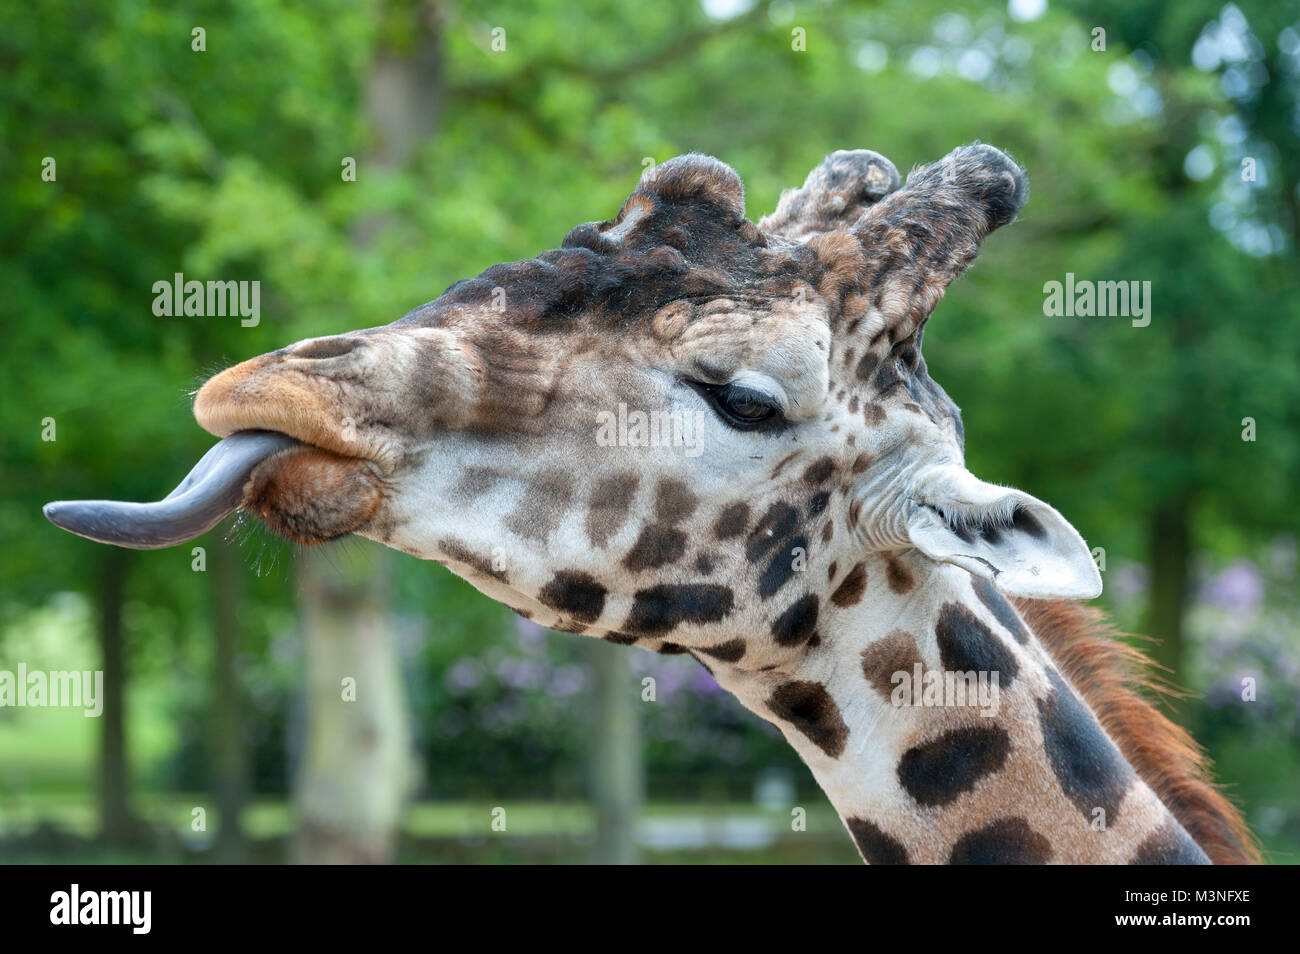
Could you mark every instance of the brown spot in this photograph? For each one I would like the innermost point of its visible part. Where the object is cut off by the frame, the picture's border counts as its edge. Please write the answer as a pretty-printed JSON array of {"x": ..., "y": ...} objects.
[
  {"x": 855, "y": 511},
  {"x": 539, "y": 512},
  {"x": 967, "y": 645},
  {"x": 894, "y": 653},
  {"x": 732, "y": 521},
  {"x": 866, "y": 366},
  {"x": 898, "y": 576},
  {"x": 674, "y": 501},
  {"x": 1007, "y": 841},
  {"x": 608, "y": 509},
  {"x": 888, "y": 377},
  {"x": 876, "y": 847},
  {"x": 656, "y": 547},
  {"x": 1002, "y": 611},
  {"x": 475, "y": 481},
  {"x": 664, "y": 607},
  {"x": 809, "y": 708},
  {"x": 459, "y": 552},
  {"x": 776, "y": 524},
  {"x": 849, "y": 592},
  {"x": 731, "y": 651},
  {"x": 828, "y": 531},
  {"x": 819, "y": 471},
  {"x": 796, "y": 624},
  {"x": 574, "y": 593},
  {"x": 1089, "y": 767},
  {"x": 861, "y": 463},
  {"x": 873, "y": 414},
  {"x": 785, "y": 563},
  {"x": 940, "y": 770},
  {"x": 703, "y": 565},
  {"x": 1169, "y": 845}
]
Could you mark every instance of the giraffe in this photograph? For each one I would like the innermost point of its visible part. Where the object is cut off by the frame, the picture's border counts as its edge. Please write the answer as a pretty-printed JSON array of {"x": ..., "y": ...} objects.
[{"x": 691, "y": 433}]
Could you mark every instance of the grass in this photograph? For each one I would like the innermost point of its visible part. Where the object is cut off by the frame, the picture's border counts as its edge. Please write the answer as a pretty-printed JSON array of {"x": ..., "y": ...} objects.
[{"x": 61, "y": 829}]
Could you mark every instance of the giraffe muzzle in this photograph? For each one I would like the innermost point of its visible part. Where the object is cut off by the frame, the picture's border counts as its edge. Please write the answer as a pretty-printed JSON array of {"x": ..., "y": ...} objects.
[{"x": 212, "y": 490}]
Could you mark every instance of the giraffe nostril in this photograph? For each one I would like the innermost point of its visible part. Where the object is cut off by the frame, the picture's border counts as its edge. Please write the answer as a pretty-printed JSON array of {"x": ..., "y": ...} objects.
[{"x": 325, "y": 348}]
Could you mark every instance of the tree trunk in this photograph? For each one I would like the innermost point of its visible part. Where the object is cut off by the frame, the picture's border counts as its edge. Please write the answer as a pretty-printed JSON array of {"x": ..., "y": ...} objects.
[
  {"x": 231, "y": 782},
  {"x": 117, "y": 821},
  {"x": 616, "y": 770},
  {"x": 1170, "y": 547},
  {"x": 357, "y": 767}
]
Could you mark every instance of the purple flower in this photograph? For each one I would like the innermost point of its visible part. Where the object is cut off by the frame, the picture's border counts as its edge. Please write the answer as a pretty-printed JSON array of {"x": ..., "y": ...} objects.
[
  {"x": 532, "y": 636},
  {"x": 703, "y": 683},
  {"x": 568, "y": 680},
  {"x": 1129, "y": 580},
  {"x": 521, "y": 673},
  {"x": 463, "y": 676},
  {"x": 1238, "y": 588}
]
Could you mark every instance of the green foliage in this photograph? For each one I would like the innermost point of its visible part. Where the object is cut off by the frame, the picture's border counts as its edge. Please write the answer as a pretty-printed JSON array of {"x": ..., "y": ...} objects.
[{"x": 227, "y": 163}]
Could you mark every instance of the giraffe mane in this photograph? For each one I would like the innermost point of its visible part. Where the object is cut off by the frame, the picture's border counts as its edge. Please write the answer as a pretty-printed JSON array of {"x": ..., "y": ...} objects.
[{"x": 1115, "y": 679}]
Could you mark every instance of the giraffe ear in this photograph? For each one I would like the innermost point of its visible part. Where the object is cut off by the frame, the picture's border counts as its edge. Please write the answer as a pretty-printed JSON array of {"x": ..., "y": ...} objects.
[{"x": 1024, "y": 546}]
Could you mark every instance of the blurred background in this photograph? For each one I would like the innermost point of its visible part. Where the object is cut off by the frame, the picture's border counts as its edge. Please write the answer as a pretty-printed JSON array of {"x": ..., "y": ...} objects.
[{"x": 358, "y": 157}]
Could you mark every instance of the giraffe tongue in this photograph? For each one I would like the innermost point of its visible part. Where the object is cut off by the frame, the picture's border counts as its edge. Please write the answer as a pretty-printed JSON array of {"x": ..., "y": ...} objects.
[{"x": 213, "y": 489}]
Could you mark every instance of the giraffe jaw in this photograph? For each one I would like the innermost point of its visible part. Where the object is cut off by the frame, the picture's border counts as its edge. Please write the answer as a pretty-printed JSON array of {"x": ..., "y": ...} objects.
[{"x": 311, "y": 495}]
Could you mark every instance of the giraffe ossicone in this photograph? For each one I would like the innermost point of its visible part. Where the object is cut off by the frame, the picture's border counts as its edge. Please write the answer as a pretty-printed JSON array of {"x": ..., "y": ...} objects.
[{"x": 818, "y": 539}]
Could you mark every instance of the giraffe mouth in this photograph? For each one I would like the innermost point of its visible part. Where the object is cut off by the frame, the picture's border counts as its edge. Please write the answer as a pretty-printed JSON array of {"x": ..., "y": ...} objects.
[{"x": 306, "y": 395}]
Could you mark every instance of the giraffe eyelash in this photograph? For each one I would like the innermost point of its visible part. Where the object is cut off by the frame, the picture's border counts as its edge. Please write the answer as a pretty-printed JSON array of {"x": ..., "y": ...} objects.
[{"x": 727, "y": 400}]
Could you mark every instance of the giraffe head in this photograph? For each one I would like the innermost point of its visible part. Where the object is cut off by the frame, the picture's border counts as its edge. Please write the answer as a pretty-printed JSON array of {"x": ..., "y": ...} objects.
[{"x": 677, "y": 428}]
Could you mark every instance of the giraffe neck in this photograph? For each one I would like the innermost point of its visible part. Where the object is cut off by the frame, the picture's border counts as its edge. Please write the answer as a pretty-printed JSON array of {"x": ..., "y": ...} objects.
[{"x": 996, "y": 759}]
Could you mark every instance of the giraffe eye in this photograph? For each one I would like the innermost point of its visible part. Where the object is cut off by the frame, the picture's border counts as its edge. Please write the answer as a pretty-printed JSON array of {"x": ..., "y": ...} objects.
[{"x": 740, "y": 406}]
